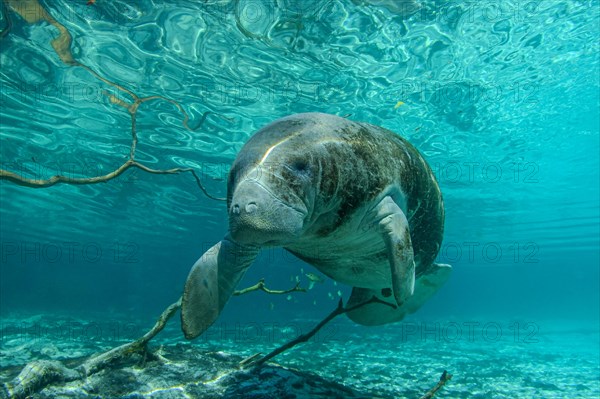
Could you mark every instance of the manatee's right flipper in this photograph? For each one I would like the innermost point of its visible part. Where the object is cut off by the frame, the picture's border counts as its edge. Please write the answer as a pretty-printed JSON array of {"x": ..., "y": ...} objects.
[
  {"x": 211, "y": 283},
  {"x": 375, "y": 314}
]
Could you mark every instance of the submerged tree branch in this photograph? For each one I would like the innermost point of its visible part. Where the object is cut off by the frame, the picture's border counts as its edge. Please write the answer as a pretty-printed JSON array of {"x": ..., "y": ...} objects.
[
  {"x": 443, "y": 379},
  {"x": 257, "y": 360},
  {"x": 99, "y": 362},
  {"x": 305, "y": 337},
  {"x": 38, "y": 374},
  {"x": 43, "y": 183},
  {"x": 260, "y": 286},
  {"x": 33, "y": 12}
]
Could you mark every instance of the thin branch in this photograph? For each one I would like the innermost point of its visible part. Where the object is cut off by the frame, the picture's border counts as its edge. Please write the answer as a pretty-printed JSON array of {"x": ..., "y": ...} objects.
[
  {"x": 443, "y": 379},
  {"x": 260, "y": 286},
  {"x": 305, "y": 337},
  {"x": 43, "y": 183}
]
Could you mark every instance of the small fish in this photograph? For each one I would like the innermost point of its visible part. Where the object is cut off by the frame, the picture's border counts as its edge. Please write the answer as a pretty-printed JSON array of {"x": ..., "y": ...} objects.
[
  {"x": 330, "y": 295},
  {"x": 289, "y": 298},
  {"x": 271, "y": 306},
  {"x": 313, "y": 279},
  {"x": 315, "y": 302},
  {"x": 297, "y": 279},
  {"x": 339, "y": 293},
  {"x": 398, "y": 104}
]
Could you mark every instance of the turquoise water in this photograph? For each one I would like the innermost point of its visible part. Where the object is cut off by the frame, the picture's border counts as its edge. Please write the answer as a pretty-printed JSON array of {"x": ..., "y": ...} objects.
[{"x": 502, "y": 99}]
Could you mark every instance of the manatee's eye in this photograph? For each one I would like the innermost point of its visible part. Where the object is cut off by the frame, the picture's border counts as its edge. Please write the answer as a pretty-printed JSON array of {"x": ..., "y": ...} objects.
[{"x": 300, "y": 166}]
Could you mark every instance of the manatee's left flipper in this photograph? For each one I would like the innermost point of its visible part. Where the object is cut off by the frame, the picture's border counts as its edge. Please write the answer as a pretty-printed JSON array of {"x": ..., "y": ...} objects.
[
  {"x": 211, "y": 283},
  {"x": 393, "y": 226}
]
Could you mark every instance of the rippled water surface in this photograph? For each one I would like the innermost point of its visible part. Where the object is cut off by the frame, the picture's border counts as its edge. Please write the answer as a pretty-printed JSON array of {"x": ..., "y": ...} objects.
[{"x": 502, "y": 98}]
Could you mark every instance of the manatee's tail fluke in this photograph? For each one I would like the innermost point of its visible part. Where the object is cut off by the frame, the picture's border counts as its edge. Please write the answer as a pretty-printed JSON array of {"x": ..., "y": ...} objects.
[
  {"x": 211, "y": 283},
  {"x": 376, "y": 314}
]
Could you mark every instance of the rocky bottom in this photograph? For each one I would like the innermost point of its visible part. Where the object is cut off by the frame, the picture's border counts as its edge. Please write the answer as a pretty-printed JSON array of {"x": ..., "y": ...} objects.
[{"x": 185, "y": 372}]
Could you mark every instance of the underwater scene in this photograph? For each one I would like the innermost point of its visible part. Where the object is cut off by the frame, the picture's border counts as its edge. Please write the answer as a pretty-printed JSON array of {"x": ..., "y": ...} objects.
[{"x": 299, "y": 199}]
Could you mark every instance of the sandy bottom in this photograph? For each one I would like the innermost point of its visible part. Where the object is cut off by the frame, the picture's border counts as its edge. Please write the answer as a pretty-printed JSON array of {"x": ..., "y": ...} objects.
[{"x": 488, "y": 360}]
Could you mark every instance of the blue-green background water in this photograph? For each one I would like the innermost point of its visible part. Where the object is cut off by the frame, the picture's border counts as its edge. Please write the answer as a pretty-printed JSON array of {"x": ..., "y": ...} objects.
[{"x": 501, "y": 98}]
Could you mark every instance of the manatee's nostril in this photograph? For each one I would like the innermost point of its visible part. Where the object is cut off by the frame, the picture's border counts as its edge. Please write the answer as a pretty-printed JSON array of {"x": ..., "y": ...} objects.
[
  {"x": 235, "y": 209},
  {"x": 251, "y": 207}
]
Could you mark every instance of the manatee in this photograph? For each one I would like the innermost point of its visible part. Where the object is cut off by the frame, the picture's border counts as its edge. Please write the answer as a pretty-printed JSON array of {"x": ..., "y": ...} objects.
[{"x": 356, "y": 201}]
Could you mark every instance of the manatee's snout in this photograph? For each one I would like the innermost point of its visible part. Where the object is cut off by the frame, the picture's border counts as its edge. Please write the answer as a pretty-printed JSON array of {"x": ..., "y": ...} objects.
[{"x": 257, "y": 216}]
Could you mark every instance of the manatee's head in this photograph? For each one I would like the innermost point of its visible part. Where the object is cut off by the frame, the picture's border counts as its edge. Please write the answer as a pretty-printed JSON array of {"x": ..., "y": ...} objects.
[{"x": 274, "y": 181}]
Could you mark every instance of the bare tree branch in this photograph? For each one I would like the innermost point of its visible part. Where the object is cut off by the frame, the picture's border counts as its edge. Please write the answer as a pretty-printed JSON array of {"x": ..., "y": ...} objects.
[
  {"x": 33, "y": 12},
  {"x": 260, "y": 286}
]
